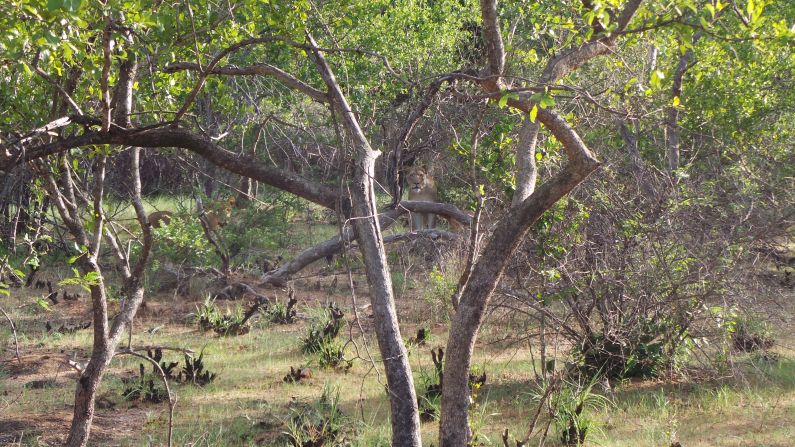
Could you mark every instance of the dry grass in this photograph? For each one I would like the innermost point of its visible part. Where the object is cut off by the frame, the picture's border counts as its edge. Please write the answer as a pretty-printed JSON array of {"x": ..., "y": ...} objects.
[{"x": 248, "y": 404}]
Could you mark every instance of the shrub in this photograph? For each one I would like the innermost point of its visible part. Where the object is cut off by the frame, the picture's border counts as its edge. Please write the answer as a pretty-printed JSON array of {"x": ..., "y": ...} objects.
[
  {"x": 234, "y": 322},
  {"x": 751, "y": 335},
  {"x": 281, "y": 313},
  {"x": 573, "y": 403},
  {"x": 319, "y": 424},
  {"x": 182, "y": 241},
  {"x": 324, "y": 330},
  {"x": 439, "y": 291}
]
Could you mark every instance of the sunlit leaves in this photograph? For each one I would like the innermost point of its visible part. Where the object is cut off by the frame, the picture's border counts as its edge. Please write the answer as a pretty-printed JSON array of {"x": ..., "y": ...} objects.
[
  {"x": 67, "y": 5},
  {"x": 656, "y": 78},
  {"x": 543, "y": 99}
]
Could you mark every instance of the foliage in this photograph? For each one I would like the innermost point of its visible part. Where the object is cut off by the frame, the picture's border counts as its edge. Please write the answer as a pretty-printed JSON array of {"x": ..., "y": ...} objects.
[
  {"x": 332, "y": 355},
  {"x": 182, "y": 241},
  {"x": 621, "y": 357},
  {"x": 751, "y": 334},
  {"x": 573, "y": 404},
  {"x": 283, "y": 313},
  {"x": 209, "y": 317},
  {"x": 319, "y": 423},
  {"x": 147, "y": 388},
  {"x": 323, "y": 331},
  {"x": 440, "y": 288}
]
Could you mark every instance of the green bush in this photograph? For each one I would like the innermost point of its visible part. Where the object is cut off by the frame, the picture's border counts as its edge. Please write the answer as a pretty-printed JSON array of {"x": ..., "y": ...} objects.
[
  {"x": 323, "y": 330},
  {"x": 182, "y": 241},
  {"x": 319, "y": 424},
  {"x": 642, "y": 355}
]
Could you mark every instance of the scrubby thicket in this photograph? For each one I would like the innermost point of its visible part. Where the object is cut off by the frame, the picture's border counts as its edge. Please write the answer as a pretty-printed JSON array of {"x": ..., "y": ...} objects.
[{"x": 617, "y": 178}]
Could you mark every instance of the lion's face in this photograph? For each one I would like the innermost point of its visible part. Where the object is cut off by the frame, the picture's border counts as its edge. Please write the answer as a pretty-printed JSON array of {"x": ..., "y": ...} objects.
[{"x": 418, "y": 180}]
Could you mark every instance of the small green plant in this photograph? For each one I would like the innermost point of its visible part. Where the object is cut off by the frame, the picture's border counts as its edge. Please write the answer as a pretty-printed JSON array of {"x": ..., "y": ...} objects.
[
  {"x": 323, "y": 330},
  {"x": 319, "y": 424},
  {"x": 194, "y": 371},
  {"x": 147, "y": 387},
  {"x": 233, "y": 322},
  {"x": 281, "y": 313},
  {"x": 572, "y": 405},
  {"x": 332, "y": 355},
  {"x": 439, "y": 291},
  {"x": 429, "y": 390}
]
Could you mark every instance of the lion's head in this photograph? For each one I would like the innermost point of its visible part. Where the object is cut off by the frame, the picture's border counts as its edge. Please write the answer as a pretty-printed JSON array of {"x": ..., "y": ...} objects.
[
  {"x": 421, "y": 185},
  {"x": 418, "y": 179}
]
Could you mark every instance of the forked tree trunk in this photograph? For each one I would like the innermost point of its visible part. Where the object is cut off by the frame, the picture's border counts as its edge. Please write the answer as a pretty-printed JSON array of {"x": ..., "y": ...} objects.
[{"x": 454, "y": 429}]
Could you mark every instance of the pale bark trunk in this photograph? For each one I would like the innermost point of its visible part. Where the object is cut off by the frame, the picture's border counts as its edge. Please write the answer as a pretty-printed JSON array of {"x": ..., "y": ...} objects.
[
  {"x": 672, "y": 114},
  {"x": 400, "y": 383},
  {"x": 526, "y": 170},
  {"x": 107, "y": 339},
  {"x": 454, "y": 428}
]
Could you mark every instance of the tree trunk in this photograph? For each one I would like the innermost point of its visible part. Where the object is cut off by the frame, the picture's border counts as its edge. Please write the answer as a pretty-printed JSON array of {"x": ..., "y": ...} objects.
[
  {"x": 400, "y": 383},
  {"x": 101, "y": 353},
  {"x": 87, "y": 388},
  {"x": 484, "y": 278},
  {"x": 526, "y": 171}
]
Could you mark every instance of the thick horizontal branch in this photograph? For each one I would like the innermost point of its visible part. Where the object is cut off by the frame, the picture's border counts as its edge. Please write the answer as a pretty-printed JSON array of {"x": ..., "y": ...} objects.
[
  {"x": 167, "y": 137},
  {"x": 255, "y": 70},
  {"x": 445, "y": 210},
  {"x": 336, "y": 244}
]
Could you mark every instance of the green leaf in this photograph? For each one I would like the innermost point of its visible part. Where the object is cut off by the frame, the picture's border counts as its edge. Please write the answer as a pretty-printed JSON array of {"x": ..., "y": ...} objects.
[
  {"x": 546, "y": 101},
  {"x": 52, "y": 5},
  {"x": 43, "y": 303},
  {"x": 503, "y": 101},
  {"x": 72, "y": 5},
  {"x": 655, "y": 80},
  {"x": 533, "y": 113},
  {"x": 543, "y": 99},
  {"x": 505, "y": 97}
]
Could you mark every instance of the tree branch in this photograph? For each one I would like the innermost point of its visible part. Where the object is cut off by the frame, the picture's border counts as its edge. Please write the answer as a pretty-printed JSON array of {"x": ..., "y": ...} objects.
[{"x": 261, "y": 69}]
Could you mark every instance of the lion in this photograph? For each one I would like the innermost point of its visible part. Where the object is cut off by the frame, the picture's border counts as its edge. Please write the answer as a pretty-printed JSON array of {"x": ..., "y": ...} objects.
[
  {"x": 159, "y": 218},
  {"x": 422, "y": 188}
]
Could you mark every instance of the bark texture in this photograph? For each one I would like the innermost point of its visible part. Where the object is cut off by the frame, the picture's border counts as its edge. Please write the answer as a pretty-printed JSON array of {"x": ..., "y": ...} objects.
[
  {"x": 486, "y": 273},
  {"x": 400, "y": 383}
]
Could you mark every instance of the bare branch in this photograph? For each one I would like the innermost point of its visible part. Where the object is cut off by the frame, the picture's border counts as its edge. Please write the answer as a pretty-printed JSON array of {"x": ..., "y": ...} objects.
[
  {"x": 14, "y": 331},
  {"x": 58, "y": 87},
  {"x": 164, "y": 137},
  {"x": 255, "y": 70},
  {"x": 208, "y": 70}
]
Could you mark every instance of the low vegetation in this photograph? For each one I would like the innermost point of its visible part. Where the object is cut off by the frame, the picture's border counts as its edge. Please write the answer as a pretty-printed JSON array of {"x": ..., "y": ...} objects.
[{"x": 397, "y": 223}]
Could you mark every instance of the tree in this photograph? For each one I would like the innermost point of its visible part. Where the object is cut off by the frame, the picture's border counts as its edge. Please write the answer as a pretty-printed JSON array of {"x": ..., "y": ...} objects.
[{"x": 357, "y": 89}]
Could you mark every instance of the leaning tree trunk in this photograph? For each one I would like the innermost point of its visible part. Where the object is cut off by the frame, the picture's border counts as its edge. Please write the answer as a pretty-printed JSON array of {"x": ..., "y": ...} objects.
[
  {"x": 402, "y": 397},
  {"x": 526, "y": 170},
  {"x": 89, "y": 381},
  {"x": 454, "y": 426},
  {"x": 485, "y": 275}
]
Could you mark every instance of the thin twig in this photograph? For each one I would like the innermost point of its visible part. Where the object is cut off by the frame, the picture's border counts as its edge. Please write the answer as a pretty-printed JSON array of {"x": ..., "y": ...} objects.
[
  {"x": 14, "y": 331},
  {"x": 172, "y": 398}
]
